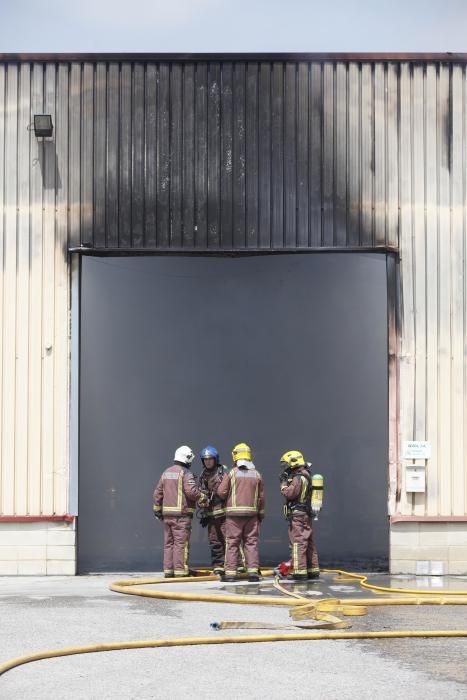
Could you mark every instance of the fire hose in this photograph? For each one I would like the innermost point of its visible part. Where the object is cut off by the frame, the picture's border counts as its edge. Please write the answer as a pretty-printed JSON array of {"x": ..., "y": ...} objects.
[{"x": 300, "y": 608}]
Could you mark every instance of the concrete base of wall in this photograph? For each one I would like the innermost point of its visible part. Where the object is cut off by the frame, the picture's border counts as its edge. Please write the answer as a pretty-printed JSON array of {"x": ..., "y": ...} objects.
[
  {"x": 37, "y": 549},
  {"x": 48, "y": 548},
  {"x": 428, "y": 549}
]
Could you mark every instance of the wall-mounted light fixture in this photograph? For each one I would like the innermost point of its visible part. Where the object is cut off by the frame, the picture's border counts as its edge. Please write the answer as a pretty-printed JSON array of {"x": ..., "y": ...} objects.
[{"x": 43, "y": 127}]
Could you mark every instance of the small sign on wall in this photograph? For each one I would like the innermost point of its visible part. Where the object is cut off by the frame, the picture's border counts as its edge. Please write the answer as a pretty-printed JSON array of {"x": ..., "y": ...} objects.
[{"x": 416, "y": 449}]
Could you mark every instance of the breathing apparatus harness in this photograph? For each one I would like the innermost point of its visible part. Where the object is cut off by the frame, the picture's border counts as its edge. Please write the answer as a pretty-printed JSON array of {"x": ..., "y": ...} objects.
[
  {"x": 301, "y": 503},
  {"x": 311, "y": 501}
]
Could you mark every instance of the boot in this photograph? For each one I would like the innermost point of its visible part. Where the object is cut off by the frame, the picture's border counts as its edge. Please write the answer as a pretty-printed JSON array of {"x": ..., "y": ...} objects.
[
  {"x": 229, "y": 579},
  {"x": 253, "y": 578},
  {"x": 313, "y": 575},
  {"x": 297, "y": 577}
]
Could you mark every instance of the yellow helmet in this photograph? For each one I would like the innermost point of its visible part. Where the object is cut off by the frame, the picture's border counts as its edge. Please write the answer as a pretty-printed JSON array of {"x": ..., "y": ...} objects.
[
  {"x": 241, "y": 451},
  {"x": 293, "y": 459}
]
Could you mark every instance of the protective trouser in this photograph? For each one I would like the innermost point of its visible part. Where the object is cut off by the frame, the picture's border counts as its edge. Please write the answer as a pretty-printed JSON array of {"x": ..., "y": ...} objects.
[
  {"x": 216, "y": 538},
  {"x": 304, "y": 553},
  {"x": 241, "y": 530},
  {"x": 314, "y": 568},
  {"x": 177, "y": 531}
]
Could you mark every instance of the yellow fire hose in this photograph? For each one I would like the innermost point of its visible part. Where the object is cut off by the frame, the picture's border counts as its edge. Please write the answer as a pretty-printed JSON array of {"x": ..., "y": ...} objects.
[
  {"x": 300, "y": 608},
  {"x": 363, "y": 580}
]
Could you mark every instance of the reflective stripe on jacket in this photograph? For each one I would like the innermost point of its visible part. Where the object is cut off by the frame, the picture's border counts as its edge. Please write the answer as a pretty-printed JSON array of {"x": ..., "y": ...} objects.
[
  {"x": 177, "y": 492},
  {"x": 243, "y": 492}
]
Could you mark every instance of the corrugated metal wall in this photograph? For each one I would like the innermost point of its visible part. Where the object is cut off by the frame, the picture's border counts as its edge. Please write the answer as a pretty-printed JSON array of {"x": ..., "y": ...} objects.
[
  {"x": 233, "y": 155},
  {"x": 239, "y": 155},
  {"x": 34, "y": 292},
  {"x": 433, "y": 363}
]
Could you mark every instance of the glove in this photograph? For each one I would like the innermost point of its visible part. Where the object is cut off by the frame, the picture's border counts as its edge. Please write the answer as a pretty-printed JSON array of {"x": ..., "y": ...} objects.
[
  {"x": 284, "y": 477},
  {"x": 204, "y": 520},
  {"x": 260, "y": 517},
  {"x": 158, "y": 515}
]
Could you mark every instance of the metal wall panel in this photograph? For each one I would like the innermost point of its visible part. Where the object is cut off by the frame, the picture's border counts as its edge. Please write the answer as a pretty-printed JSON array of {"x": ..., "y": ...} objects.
[
  {"x": 221, "y": 155},
  {"x": 34, "y": 291},
  {"x": 234, "y": 154},
  {"x": 433, "y": 358},
  {"x": 9, "y": 293},
  {"x": 2, "y": 254},
  {"x": 22, "y": 296}
]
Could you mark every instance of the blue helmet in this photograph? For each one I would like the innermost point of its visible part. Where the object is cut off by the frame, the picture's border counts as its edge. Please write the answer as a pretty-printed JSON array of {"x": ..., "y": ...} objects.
[{"x": 209, "y": 451}]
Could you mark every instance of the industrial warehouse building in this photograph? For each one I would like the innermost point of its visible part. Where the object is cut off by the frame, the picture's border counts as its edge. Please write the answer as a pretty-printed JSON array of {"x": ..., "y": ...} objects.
[{"x": 226, "y": 248}]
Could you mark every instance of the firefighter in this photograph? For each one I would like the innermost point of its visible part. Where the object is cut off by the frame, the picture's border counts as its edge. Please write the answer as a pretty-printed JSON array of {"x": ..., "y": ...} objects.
[
  {"x": 174, "y": 502},
  {"x": 213, "y": 515},
  {"x": 242, "y": 489},
  {"x": 295, "y": 485}
]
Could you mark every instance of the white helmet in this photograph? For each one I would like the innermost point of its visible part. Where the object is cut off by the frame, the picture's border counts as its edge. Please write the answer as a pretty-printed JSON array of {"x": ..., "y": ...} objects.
[{"x": 184, "y": 454}]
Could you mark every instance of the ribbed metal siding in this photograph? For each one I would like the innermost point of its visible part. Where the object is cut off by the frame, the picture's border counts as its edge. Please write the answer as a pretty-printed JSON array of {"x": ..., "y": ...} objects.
[
  {"x": 234, "y": 155},
  {"x": 433, "y": 197},
  {"x": 33, "y": 293}
]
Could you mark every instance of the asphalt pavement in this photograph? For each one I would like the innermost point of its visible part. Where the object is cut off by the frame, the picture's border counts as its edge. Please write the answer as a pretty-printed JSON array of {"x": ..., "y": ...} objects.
[{"x": 53, "y": 612}]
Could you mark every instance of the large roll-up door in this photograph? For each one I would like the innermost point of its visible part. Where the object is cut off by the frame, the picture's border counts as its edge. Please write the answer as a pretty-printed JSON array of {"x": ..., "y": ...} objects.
[{"x": 281, "y": 351}]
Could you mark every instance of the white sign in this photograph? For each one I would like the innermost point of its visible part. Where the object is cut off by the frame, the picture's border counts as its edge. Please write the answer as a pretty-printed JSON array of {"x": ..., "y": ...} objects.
[{"x": 417, "y": 449}]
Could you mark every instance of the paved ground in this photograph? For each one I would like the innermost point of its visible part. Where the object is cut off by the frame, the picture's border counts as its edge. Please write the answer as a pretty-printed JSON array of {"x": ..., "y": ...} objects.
[{"x": 43, "y": 613}]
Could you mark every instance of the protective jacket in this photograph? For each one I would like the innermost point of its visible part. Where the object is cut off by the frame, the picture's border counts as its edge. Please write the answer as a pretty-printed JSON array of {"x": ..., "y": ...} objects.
[
  {"x": 177, "y": 492},
  {"x": 208, "y": 483},
  {"x": 297, "y": 491},
  {"x": 243, "y": 491}
]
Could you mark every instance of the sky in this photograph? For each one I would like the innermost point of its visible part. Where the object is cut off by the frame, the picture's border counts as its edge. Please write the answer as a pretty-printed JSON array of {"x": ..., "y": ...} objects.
[{"x": 153, "y": 26}]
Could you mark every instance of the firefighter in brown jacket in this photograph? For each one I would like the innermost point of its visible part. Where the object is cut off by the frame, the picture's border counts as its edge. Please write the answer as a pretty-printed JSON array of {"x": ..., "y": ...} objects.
[
  {"x": 174, "y": 502},
  {"x": 213, "y": 515},
  {"x": 243, "y": 490},
  {"x": 295, "y": 484}
]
